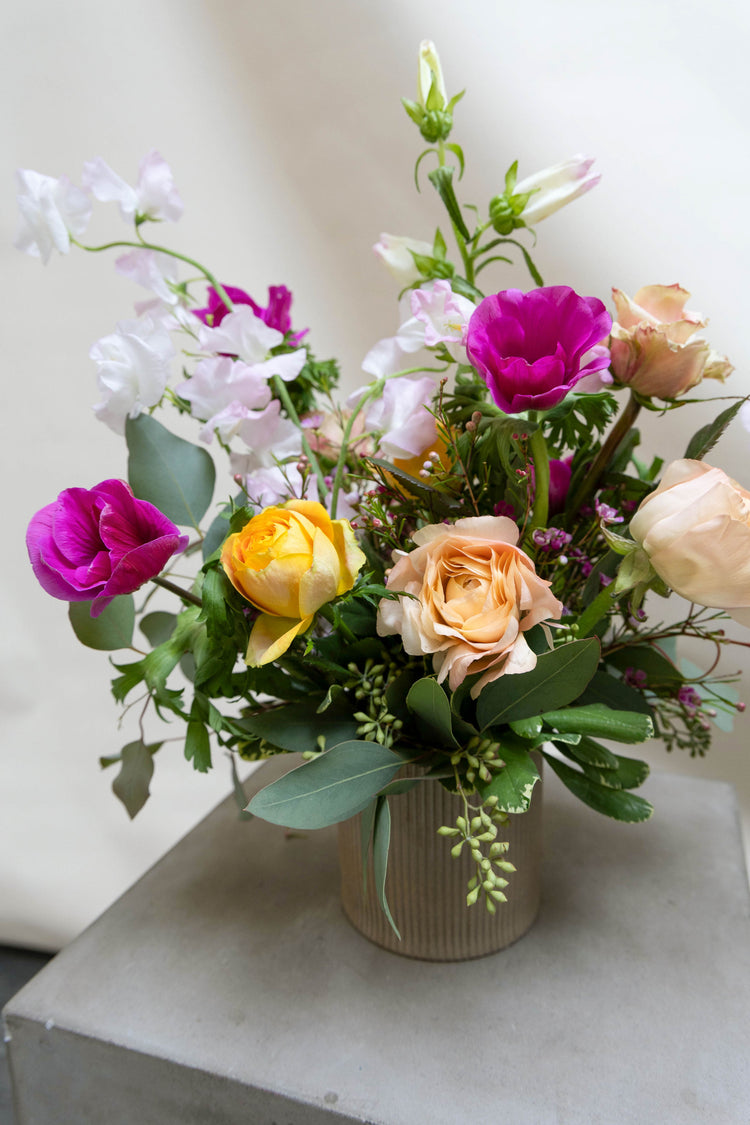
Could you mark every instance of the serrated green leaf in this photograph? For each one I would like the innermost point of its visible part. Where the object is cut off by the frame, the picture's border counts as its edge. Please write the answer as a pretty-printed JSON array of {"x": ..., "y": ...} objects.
[
  {"x": 590, "y": 753},
  {"x": 381, "y": 840},
  {"x": 703, "y": 441},
  {"x": 514, "y": 784},
  {"x": 601, "y": 722},
  {"x": 198, "y": 746},
  {"x": 558, "y": 678},
  {"x": 630, "y": 773},
  {"x": 616, "y": 803},
  {"x": 131, "y": 785},
  {"x": 171, "y": 473},
  {"x": 112, "y": 629},
  {"x": 328, "y": 789},
  {"x": 428, "y": 701}
]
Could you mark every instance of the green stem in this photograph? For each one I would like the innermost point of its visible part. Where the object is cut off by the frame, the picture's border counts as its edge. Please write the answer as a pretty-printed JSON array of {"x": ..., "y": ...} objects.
[
  {"x": 619, "y": 431},
  {"x": 374, "y": 391},
  {"x": 540, "y": 457},
  {"x": 174, "y": 589},
  {"x": 283, "y": 394},
  {"x": 142, "y": 245},
  {"x": 460, "y": 243},
  {"x": 594, "y": 613}
]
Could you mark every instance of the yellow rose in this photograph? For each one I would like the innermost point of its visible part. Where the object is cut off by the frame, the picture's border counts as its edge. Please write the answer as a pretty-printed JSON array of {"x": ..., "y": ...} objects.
[
  {"x": 288, "y": 562},
  {"x": 695, "y": 529},
  {"x": 475, "y": 594}
]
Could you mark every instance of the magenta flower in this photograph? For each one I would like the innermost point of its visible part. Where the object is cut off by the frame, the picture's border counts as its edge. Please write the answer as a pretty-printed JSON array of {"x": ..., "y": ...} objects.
[
  {"x": 94, "y": 544},
  {"x": 560, "y": 473},
  {"x": 275, "y": 315},
  {"x": 531, "y": 347}
]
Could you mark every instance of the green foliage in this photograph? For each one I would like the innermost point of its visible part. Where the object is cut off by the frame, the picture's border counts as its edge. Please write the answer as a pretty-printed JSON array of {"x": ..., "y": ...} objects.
[
  {"x": 298, "y": 726},
  {"x": 703, "y": 441},
  {"x": 576, "y": 421},
  {"x": 171, "y": 473},
  {"x": 428, "y": 701},
  {"x": 112, "y": 629},
  {"x": 558, "y": 678},
  {"x": 602, "y": 722},
  {"x": 381, "y": 839},
  {"x": 328, "y": 789},
  {"x": 616, "y": 803},
  {"x": 442, "y": 180},
  {"x": 131, "y": 785},
  {"x": 513, "y": 786}
]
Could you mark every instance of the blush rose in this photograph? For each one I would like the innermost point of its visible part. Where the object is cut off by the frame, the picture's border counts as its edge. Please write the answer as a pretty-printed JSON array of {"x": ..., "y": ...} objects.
[
  {"x": 475, "y": 595},
  {"x": 695, "y": 529}
]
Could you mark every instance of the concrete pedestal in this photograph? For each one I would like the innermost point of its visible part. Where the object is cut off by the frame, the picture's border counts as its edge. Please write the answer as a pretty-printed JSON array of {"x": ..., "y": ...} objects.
[{"x": 226, "y": 987}]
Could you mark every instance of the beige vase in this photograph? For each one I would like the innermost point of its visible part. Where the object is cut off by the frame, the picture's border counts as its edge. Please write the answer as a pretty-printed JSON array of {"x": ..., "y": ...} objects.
[{"x": 426, "y": 886}]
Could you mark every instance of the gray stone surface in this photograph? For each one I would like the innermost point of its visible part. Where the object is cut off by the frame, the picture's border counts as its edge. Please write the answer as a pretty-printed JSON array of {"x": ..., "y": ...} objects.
[{"x": 227, "y": 987}]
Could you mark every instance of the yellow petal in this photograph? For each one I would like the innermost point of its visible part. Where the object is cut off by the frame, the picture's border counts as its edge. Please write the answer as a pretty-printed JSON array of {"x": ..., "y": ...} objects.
[
  {"x": 351, "y": 558},
  {"x": 271, "y": 637},
  {"x": 320, "y": 582}
]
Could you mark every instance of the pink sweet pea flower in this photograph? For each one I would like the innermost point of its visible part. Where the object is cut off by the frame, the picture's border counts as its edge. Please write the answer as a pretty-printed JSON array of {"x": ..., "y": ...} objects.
[
  {"x": 95, "y": 544},
  {"x": 531, "y": 347}
]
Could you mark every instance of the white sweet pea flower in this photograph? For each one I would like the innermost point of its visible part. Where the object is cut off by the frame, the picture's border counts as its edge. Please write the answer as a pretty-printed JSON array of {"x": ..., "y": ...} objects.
[
  {"x": 153, "y": 197},
  {"x": 438, "y": 315},
  {"x": 394, "y": 252},
  {"x": 245, "y": 335},
  {"x": 400, "y": 413},
  {"x": 154, "y": 271},
  {"x": 133, "y": 370},
  {"x": 221, "y": 392},
  {"x": 271, "y": 440},
  {"x": 554, "y": 187},
  {"x": 51, "y": 210}
]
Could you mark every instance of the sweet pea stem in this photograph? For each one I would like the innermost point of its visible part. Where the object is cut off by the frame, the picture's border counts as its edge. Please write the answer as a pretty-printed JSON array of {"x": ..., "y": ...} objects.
[
  {"x": 284, "y": 397},
  {"x": 143, "y": 245},
  {"x": 173, "y": 589}
]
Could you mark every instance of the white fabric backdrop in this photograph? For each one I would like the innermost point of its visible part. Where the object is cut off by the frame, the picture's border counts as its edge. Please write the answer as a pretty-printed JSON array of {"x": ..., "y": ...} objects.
[{"x": 283, "y": 127}]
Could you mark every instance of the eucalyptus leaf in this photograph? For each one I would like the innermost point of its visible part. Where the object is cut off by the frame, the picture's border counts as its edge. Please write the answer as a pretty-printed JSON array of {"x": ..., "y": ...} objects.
[
  {"x": 158, "y": 627},
  {"x": 381, "y": 841},
  {"x": 171, "y": 473},
  {"x": 112, "y": 629},
  {"x": 329, "y": 788},
  {"x": 558, "y": 678},
  {"x": 298, "y": 726},
  {"x": 366, "y": 826},
  {"x": 132, "y": 782},
  {"x": 617, "y": 803}
]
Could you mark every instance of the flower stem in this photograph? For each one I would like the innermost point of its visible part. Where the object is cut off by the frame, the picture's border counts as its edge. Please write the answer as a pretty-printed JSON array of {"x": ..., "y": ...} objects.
[
  {"x": 283, "y": 394},
  {"x": 173, "y": 589},
  {"x": 619, "y": 431},
  {"x": 142, "y": 245},
  {"x": 540, "y": 457}
]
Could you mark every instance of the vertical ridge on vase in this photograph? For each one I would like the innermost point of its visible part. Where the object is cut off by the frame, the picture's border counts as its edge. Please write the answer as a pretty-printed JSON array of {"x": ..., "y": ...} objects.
[{"x": 426, "y": 886}]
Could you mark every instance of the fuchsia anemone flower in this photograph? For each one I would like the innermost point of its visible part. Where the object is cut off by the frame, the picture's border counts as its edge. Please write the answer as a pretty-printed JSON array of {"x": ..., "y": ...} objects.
[
  {"x": 275, "y": 315},
  {"x": 531, "y": 347},
  {"x": 94, "y": 544}
]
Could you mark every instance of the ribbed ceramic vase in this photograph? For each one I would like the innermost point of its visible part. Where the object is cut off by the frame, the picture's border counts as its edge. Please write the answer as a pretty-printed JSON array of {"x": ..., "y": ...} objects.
[{"x": 426, "y": 886}]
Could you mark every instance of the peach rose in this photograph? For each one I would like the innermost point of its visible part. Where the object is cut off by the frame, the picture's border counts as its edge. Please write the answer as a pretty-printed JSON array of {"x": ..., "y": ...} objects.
[
  {"x": 695, "y": 529},
  {"x": 288, "y": 562},
  {"x": 475, "y": 595},
  {"x": 654, "y": 348}
]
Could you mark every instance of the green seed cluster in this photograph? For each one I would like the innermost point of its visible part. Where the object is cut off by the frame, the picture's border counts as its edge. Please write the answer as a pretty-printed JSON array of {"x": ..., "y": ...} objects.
[
  {"x": 476, "y": 832},
  {"x": 482, "y": 756},
  {"x": 376, "y": 723}
]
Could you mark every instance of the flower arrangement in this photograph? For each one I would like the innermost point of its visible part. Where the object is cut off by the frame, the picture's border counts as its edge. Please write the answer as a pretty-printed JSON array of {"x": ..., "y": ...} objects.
[{"x": 447, "y": 569}]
